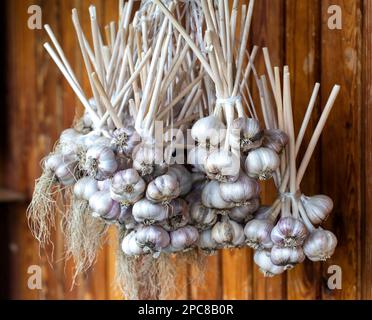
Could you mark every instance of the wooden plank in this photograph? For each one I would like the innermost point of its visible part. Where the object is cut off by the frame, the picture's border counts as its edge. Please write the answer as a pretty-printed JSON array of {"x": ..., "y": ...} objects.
[
  {"x": 268, "y": 31},
  {"x": 340, "y": 144},
  {"x": 303, "y": 26},
  {"x": 366, "y": 234}
]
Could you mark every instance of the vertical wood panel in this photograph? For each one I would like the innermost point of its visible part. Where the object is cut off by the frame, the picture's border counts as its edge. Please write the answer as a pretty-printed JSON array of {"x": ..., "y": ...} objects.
[
  {"x": 303, "y": 26},
  {"x": 341, "y": 154}
]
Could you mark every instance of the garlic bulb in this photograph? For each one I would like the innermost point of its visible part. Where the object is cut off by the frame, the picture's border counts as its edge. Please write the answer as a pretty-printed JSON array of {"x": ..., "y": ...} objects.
[
  {"x": 320, "y": 245},
  {"x": 127, "y": 187},
  {"x": 69, "y": 141},
  {"x": 245, "y": 213},
  {"x": 263, "y": 260},
  {"x": 258, "y": 233},
  {"x": 126, "y": 218},
  {"x": 94, "y": 139},
  {"x": 240, "y": 191},
  {"x": 178, "y": 215},
  {"x": 222, "y": 165},
  {"x": 184, "y": 238},
  {"x": 261, "y": 163},
  {"x": 129, "y": 245},
  {"x": 125, "y": 140},
  {"x": 149, "y": 160},
  {"x": 228, "y": 233},
  {"x": 289, "y": 232},
  {"x": 317, "y": 207},
  {"x": 104, "y": 185},
  {"x": 103, "y": 206},
  {"x": 206, "y": 242},
  {"x": 197, "y": 157},
  {"x": 152, "y": 239},
  {"x": 146, "y": 212},
  {"x": 275, "y": 140},
  {"x": 246, "y": 134},
  {"x": 163, "y": 189},
  {"x": 63, "y": 167},
  {"x": 211, "y": 197},
  {"x": 287, "y": 257},
  {"x": 85, "y": 188},
  {"x": 208, "y": 131},
  {"x": 202, "y": 217},
  {"x": 100, "y": 162},
  {"x": 183, "y": 177}
]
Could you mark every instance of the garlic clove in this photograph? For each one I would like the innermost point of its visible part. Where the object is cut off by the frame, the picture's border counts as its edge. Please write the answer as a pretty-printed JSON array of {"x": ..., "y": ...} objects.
[
  {"x": 261, "y": 163},
  {"x": 183, "y": 177},
  {"x": 263, "y": 259},
  {"x": 149, "y": 160},
  {"x": 320, "y": 245},
  {"x": 289, "y": 232},
  {"x": 317, "y": 208},
  {"x": 258, "y": 233}
]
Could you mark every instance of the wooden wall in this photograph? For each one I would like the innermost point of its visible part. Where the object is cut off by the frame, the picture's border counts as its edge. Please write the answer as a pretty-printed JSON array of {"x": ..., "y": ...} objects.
[{"x": 38, "y": 105}]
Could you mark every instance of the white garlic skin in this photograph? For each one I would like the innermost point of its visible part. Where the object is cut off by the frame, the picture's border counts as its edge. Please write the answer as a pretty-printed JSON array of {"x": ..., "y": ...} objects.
[
  {"x": 317, "y": 208},
  {"x": 100, "y": 162},
  {"x": 240, "y": 191},
  {"x": 163, "y": 189},
  {"x": 184, "y": 238},
  {"x": 129, "y": 245},
  {"x": 146, "y": 212},
  {"x": 197, "y": 157},
  {"x": 127, "y": 187},
  {"x": 85, "y": 187},
  {"x": 228, "y": 233},
  {"x": 258, "y": 234},
  {"x": 183, "y": 177},
  {"x": 246, "y": 134},
  {"x": 263, "y": 260},
  {"x": 206, "y": 241},
  {"x": 103, "y": 206},
  {"x": 149, "y": 160},
  {"x": 92, "y": 139},
  {"x": 104, "y": 185},
  {"x": 222, "y": 165},
  {"x": 69, "y": 141},
  {"x": 152, "y": 238},
  {"x": 63, "y": 167},
  {"x": 320, "y": 245},
  {"x": 211, "y": 197},
  {"x": 245, "y": 213},
  {"x": 261, "y": 163},
  {"x": 289, "y": 232},
  {"x": 208, "y": 131},
  {"x": 124, "y": 140},
  {"x": 275, "y": 140},
  {"x": 201, "y": 216},
  {"x": 287, "y": 257}
]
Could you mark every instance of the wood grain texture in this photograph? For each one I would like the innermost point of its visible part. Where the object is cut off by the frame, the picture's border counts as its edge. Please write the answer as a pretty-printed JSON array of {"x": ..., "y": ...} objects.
[{"x": 340, "y": 144}]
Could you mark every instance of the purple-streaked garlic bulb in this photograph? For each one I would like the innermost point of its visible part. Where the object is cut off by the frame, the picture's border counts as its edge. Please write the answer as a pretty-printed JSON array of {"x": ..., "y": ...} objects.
[
  {"x": 104, "y": 207},
  {"x": 320, "y": 245},
  {"x": 100, "y": 162},
  {"x": 261, "y": 163},
  {"x": 258, "y": 233},
  {"x": 178, "y": 215},
  {"x": 228, "y": 233},
  {"x": 146, "y": 212},
  {"x": 127, "y": 187},
  {"x": 246, "y": 134},
  {"x": 208, "y": 131},
  {"x": 202, "y": 217},
  {"x": 149, "y": 160},
  {"x": 317, "y": 208},
  {"x": 212, "y": 198},
  {"x": 129, "y": 245},
  {"x": 289, "y": 232},
  {"x": 184, "y": 238},
  {"x": 287, "y": 257},
  {"x": 245, "y": 213},
  {"x": 163, "y": 189},
  {"x": 125, "y": 140},
  {"x": 263, "y": 260},
  {"x": 85, "y": 188},
  {"x": 152, "y": 239},
  {"x": 222, "y": 165},
  {"x": 206, "y": 242},
  {"x": 62, "y": 167},
  {"x": 275, "y": 140},
  {"x": 241, "y": 191},
  {"x": 183, "y": 177}
]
